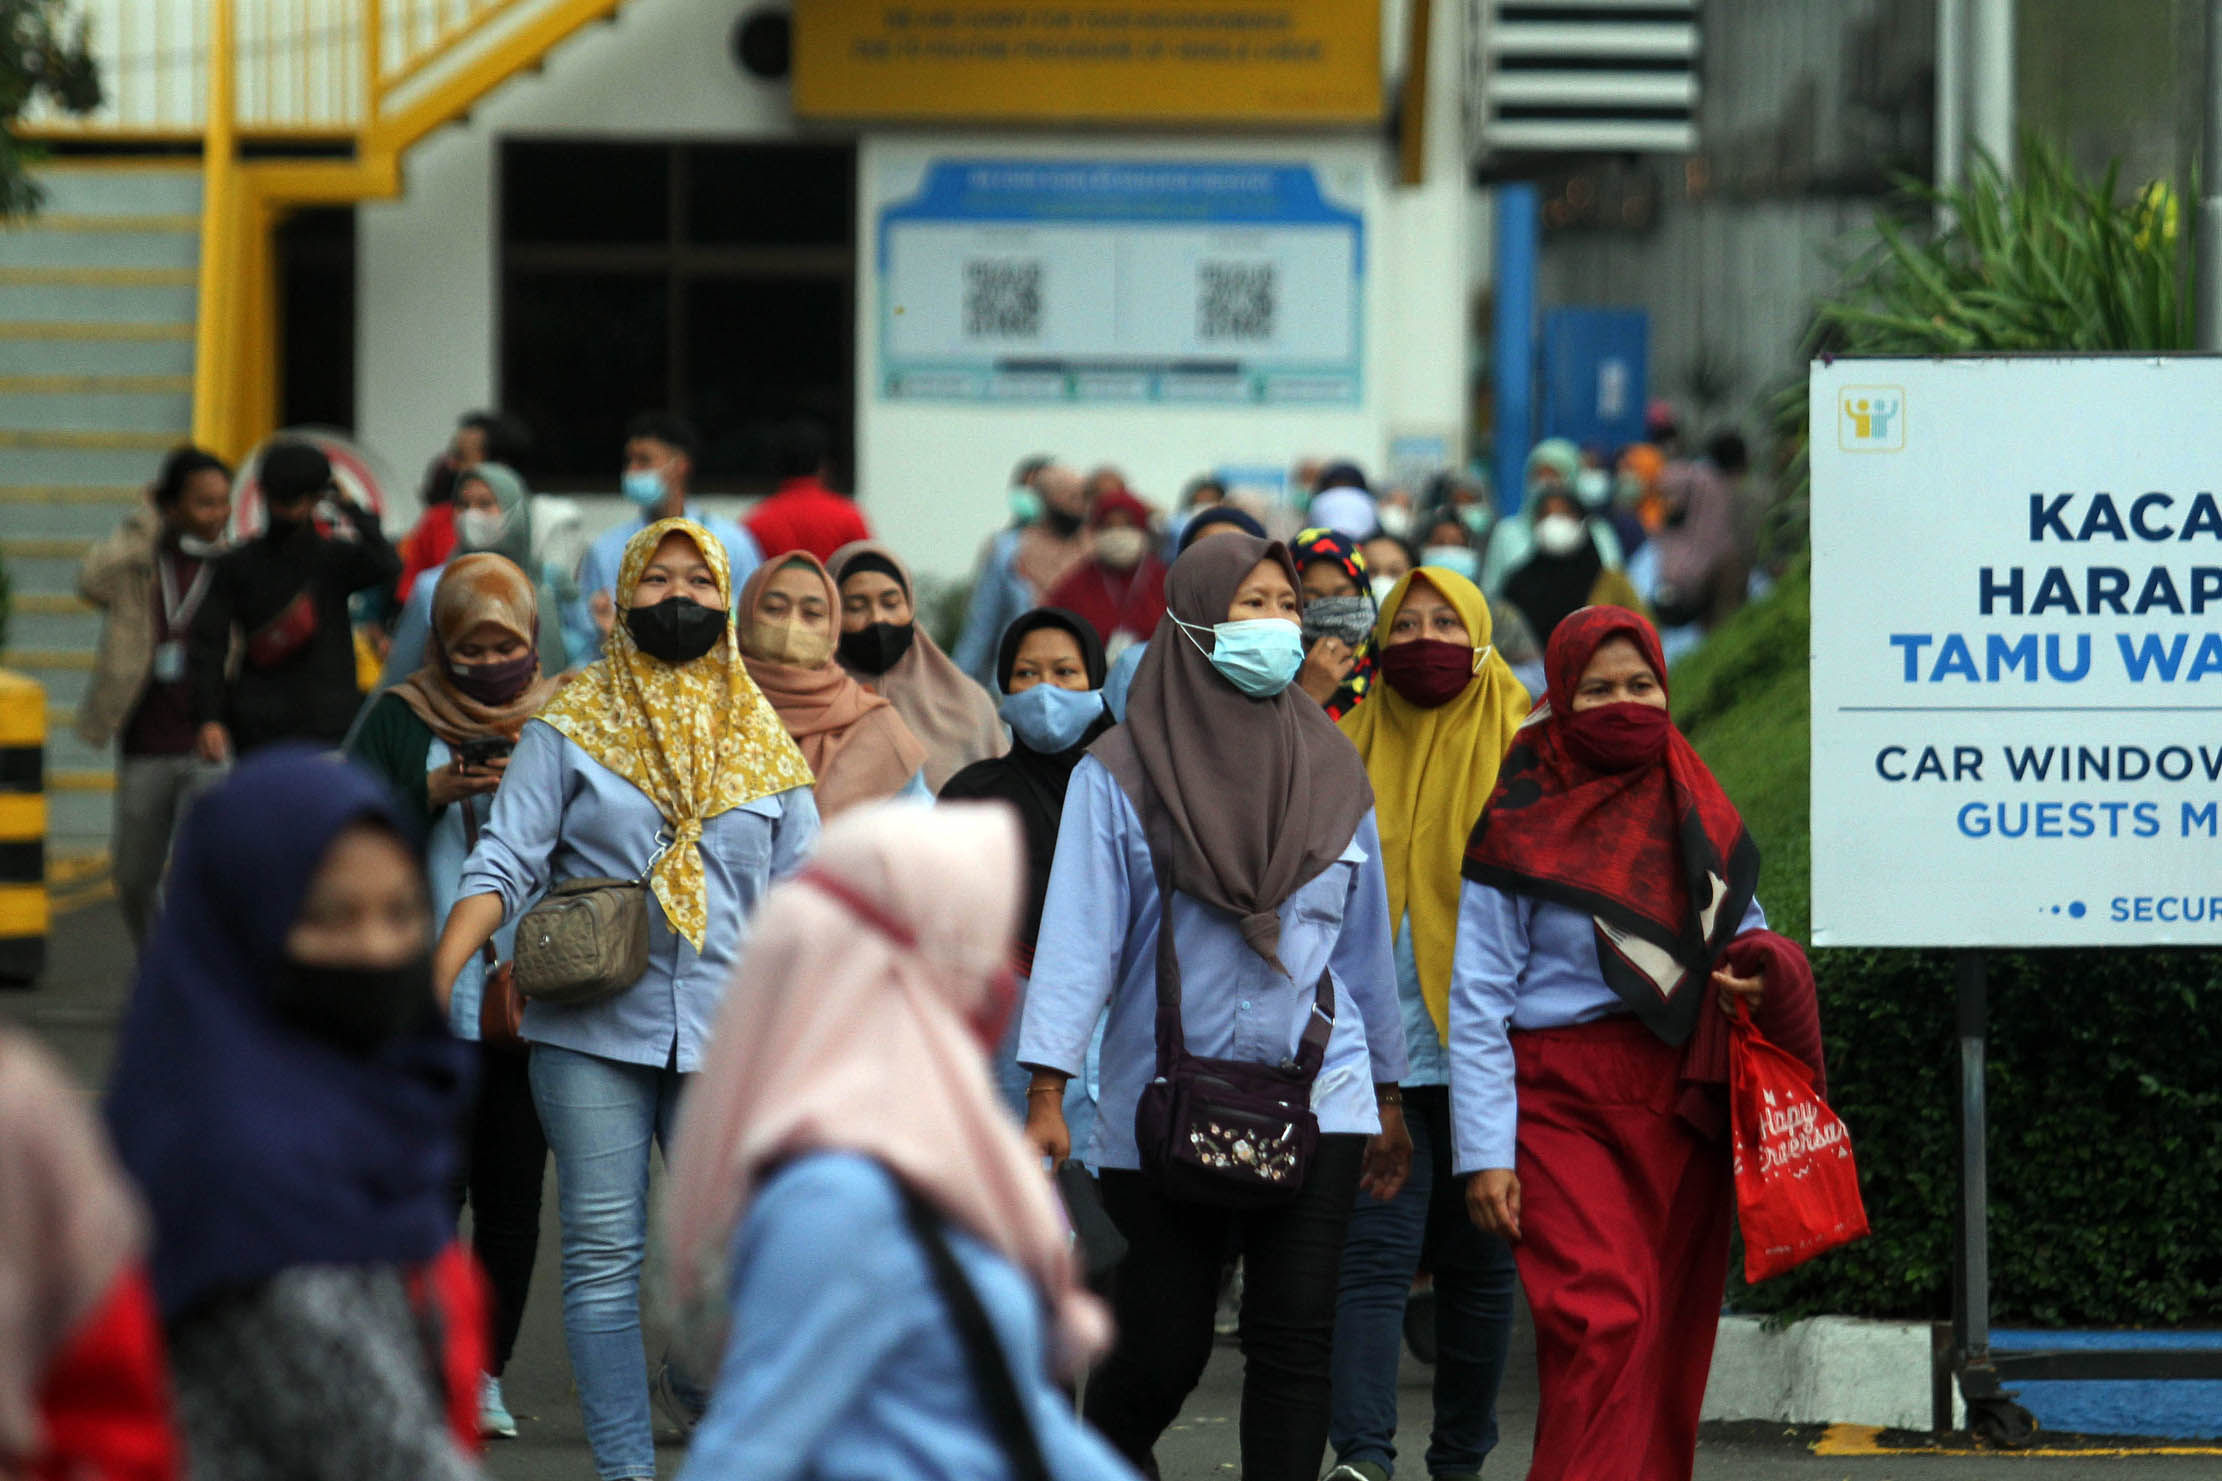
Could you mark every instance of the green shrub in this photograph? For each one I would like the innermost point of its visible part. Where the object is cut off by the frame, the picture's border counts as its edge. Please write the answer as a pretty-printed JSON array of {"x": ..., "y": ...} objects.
[{"x": 2106, "y": 1119}]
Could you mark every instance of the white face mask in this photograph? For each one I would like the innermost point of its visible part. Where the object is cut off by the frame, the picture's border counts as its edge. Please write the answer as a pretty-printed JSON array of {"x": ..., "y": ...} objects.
[
  {"x": 1382, "y": 586},
  {"x": 1396, "y": 519},
  {"x": 1559, "y": 534},
  {"x": 1122, "y": 549},
  {"x": 1593, "y": 486},
  {"x": 199, "y": 549},
  {"x": 480, "y": 529}
]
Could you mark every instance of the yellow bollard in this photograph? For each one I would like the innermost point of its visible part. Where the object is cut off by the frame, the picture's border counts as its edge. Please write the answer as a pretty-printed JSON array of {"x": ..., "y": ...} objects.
[{"x": 25, "y": 909}]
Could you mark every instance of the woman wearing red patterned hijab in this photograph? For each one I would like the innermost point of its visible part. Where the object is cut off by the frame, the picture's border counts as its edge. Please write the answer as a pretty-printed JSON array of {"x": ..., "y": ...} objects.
[{"x": 1608, "y": 896}]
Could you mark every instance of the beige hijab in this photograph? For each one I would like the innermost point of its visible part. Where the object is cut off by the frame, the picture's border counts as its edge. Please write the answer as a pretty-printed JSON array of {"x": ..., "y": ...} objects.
[
  {"x": 940, "y": 702},
  {"x": 836, "y": 1036},
  {"x": 69, "y": 1225},
  {"x": 857, "y": 745}
]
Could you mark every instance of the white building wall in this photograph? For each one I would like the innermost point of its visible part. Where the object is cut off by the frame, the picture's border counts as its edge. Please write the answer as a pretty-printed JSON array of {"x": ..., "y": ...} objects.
[
  {"x": 427, "y": 265},
  {"x": 931, "y": 476}
]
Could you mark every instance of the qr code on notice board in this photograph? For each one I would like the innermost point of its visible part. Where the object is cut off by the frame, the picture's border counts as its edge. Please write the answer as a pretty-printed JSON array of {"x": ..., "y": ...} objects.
[
  {"x": 1235, "y": 300},
  {"x": 1002, "y": 298}
]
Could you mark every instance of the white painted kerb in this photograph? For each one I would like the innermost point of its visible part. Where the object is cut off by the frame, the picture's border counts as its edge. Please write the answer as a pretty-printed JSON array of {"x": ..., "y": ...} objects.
[{"x": 1824, "y": 1370}]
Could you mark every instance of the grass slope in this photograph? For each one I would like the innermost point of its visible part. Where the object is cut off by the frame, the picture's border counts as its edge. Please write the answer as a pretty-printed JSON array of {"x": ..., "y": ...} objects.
[{"x": 1743, "y": 701}]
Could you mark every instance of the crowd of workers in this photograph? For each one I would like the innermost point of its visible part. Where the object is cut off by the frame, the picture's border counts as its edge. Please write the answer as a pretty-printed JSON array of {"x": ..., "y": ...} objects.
[{"x": 1314, "y": 890}]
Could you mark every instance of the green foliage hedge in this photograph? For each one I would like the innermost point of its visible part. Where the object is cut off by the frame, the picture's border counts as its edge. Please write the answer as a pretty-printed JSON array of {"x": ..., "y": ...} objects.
[{"x": 2105, "y": 1080}]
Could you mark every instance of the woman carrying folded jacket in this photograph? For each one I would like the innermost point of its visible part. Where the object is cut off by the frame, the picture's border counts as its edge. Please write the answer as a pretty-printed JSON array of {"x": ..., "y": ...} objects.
[
  {"x": 1240, "y": 792},
  {"x": 442, "y": 738},
  {"x": 288, "y": 1101},
  {"x": 1607, "y": 927},
  {"x": 1050, "y": 670},
  {"x": 858, "y": 747},
  {"x": 878, "y": 1269},
  {"x": 1431, "y": 735},
  {"x": 662, "y": 759},
  {"x": 883, "y": 646}
]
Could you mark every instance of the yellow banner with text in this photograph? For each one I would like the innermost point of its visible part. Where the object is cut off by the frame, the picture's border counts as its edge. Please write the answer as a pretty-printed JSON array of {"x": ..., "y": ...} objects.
[{"x": 1244, "y": 62}]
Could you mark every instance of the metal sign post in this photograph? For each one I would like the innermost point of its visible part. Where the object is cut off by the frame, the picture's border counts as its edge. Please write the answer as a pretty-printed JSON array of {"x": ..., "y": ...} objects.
[{"x": 1991, "y": 1411}]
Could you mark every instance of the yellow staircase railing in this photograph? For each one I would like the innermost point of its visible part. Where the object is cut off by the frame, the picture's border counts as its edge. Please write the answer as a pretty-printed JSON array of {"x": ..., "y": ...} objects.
[{"x": 379, "y": 74}]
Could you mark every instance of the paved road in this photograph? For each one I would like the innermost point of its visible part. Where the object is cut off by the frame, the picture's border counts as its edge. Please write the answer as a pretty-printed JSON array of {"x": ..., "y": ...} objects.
[{"x": 76, "y": 1011}]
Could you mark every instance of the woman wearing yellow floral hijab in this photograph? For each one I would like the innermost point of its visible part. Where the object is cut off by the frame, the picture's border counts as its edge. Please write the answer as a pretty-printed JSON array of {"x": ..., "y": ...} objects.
[{"x": 665, "y": 758}]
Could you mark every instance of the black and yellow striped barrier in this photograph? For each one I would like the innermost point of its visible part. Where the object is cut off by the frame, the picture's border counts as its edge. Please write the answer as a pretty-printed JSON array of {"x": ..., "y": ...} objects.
[{"x": 25, "y": 910}]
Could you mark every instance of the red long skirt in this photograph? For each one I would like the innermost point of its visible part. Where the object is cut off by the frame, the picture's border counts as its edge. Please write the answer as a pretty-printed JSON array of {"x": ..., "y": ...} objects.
[{"x": 1623, "y": 1251}]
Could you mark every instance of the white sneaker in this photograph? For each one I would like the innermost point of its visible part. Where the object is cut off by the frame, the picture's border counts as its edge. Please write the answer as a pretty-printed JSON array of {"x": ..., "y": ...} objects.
[{"x": 494, "y": 1419}]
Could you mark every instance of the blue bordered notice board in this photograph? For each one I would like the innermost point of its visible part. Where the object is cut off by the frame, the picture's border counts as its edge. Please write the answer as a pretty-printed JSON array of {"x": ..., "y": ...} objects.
[{"x": 1082, "y": 281}]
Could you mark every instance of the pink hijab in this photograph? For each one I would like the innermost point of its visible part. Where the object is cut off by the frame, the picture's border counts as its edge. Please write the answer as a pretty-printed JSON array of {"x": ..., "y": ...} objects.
[{"x": 834, "y": 1036}]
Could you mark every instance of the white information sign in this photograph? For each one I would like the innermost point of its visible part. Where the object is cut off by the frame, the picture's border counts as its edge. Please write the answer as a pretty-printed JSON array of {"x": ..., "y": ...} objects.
[
  {"x": 2017, "y": 651},
  {"x": 1102, "y": 281}
]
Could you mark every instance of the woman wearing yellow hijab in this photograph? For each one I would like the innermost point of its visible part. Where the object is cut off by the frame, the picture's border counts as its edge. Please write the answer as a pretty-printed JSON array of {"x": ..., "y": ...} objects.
[
  {"x": 663, "y": 757},
  {"x": 1438, "y": 723}
]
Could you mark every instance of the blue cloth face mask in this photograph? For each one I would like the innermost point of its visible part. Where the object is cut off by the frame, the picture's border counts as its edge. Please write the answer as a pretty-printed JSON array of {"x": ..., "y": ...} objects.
[
  {"x": 1456, "y": 559},
  {"x": 645, "y": 486},
  {"x": 1050, "y": 720},
  {"x": 1259, "y": 655}
]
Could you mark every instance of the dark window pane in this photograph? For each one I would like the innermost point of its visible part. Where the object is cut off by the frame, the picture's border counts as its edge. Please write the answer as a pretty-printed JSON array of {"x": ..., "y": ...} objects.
[
  {"x": 574, "y": 193},
  {"x": 778, "y": 196},
  {"x": 760, "y": 350},
  {"x": 316, "y": 318},
  {"x": 580, "y": 355}
]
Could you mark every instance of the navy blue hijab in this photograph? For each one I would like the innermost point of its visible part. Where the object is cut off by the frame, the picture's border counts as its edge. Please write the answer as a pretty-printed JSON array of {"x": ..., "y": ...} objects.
[{"x": 258, "y": 1147}]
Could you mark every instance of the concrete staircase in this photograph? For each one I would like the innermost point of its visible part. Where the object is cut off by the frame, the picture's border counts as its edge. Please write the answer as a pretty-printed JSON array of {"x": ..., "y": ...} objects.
[{"x": 96, "y": 382}]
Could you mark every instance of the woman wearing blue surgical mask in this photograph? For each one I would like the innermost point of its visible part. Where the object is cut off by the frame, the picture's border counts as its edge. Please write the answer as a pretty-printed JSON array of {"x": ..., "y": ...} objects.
[
  {"x": 1050, "y": 671},
  {"x": 1445, "y": 542},
  {"x": 1232, "y": 791}
]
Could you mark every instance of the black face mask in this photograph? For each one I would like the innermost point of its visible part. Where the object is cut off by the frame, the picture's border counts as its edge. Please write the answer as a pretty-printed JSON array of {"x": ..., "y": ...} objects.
[
  {"x": 1064, "y": 526},
  {"x": 357, "y": 1009},
  {"x": 676, "y": 630},
  {"x": 876, "y": 649},
  {"x": 287, "y": 520}
]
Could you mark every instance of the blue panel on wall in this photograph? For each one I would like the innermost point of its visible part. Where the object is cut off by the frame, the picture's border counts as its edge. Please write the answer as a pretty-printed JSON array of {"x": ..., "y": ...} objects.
[{"x": 1595, "y": 366}]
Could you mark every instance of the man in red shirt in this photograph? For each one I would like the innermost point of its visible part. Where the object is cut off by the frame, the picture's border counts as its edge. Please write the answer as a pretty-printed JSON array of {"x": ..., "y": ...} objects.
[{"x": 804, "y": 514}]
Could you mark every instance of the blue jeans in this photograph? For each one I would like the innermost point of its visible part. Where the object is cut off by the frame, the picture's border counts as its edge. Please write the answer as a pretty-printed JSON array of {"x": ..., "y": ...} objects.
[
  {"x": 1474, "y": 1277},
  {"x": 600, "y": 1115}
]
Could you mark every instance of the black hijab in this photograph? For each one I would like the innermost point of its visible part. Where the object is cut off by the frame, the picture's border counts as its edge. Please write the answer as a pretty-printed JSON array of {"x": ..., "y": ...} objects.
[
  {"x": 1550, "y": 588},
  {"x": 1029, "y": 780}
]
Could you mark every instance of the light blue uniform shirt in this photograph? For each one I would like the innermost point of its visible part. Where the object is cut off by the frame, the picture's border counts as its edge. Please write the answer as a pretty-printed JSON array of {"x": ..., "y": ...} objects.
[
  {"x": 1522, "y": 963},
  {"x": 844, "y": 1363},
  {"x": 1427, "y": 1062},
  {"x": 599, "y": 567},
  {"x": 1098, "y": 944},
  {"x": 560, "y": 814},
  {"x": 1000, "y": 596}
]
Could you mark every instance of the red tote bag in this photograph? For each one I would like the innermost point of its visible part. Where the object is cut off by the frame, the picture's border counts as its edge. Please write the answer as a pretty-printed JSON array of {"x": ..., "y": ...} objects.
[{"x": 1797, "y": 1188}]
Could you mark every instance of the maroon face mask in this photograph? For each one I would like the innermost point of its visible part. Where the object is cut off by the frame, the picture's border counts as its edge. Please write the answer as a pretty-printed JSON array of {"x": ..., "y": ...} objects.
[
  {"x": 1616, "y": 737},
  {"x": 1427, "y": 671},
  {"x": 495, "y": 683}
]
